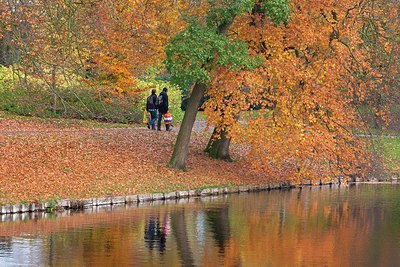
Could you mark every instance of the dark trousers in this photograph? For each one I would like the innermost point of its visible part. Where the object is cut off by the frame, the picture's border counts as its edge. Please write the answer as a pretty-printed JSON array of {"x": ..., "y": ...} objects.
[{"x": 160, "y": 117}]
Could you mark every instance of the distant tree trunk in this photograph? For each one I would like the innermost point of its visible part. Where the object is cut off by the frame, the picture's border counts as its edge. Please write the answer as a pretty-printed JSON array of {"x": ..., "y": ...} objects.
[
  {"x": 218, "y": 148},
  {"x": 5, "y": 50},
  {"x": 53, "y": 88}
]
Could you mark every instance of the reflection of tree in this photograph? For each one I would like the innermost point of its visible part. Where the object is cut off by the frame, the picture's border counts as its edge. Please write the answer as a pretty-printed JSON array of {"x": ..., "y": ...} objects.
[
  {"x": 329, "y": 227},
  {"x": 382, "y": 252},
  {"x": 99, "y": 241},
  {"x": 218, "y": 219},
  {"x": 5, "y": 244},
  {"x": 178, "y": 226},
  {"x": 51, "y": 249}
]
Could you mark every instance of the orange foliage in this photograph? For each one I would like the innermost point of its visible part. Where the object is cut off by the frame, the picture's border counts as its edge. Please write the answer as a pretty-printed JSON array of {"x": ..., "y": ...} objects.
[
  {"x": 126, "y": 38},
  {"x": 316, "y": 71},
  {"x": 307, "y": 90},
  {"x": 107, "y": 44}
]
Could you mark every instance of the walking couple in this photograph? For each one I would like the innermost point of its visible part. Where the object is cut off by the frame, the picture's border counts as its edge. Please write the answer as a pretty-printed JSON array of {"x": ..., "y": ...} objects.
[{"x": 158, "y": 108}]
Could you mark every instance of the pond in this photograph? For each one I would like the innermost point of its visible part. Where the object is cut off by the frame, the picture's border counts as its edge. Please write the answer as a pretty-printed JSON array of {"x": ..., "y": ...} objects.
[{"x": 320, "y": 226}]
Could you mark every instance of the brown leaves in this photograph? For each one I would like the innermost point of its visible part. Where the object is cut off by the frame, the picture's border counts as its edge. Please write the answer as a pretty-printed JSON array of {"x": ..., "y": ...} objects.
[{"x": 41, "y": 160}]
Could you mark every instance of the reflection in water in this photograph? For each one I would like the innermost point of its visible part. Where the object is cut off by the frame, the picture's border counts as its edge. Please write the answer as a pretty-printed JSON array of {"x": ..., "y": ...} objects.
[
  {"x": 219, "y": 224},
  {"x": 155, "y": 233},
  {"x": 5, "y": 245},
  {"x": 350, "y": 226},
  {"x": 200, "y": 218},
  {"x": 182, "y": 238}
]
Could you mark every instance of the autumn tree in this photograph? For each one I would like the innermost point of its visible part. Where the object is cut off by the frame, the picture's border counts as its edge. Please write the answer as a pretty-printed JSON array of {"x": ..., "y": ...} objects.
[
  {"x": 129, "y": 37},
  {"x": 308, "y": 66},
  {"x": 103, "y": 45},
  {"x": 219, "y": 143},
  {"x": 4, "y": 48},
  {"x": 197, "y": 53},
  {"x": 307, "y": 124},
  {"x": 376, "y": 67}
]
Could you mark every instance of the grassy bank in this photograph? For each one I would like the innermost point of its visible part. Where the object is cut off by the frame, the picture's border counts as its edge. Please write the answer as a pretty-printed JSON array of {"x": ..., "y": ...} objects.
[{"x": 391, "y": 153}]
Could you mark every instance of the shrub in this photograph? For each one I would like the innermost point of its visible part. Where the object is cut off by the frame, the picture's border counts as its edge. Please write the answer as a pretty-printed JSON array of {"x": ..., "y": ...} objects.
[
  {"x": 6, "y": 78},
  {"x": 82, "y": 103}
]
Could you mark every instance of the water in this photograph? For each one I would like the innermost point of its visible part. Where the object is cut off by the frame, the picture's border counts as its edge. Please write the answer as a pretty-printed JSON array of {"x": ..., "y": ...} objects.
[{"x": 347, "y": 226}]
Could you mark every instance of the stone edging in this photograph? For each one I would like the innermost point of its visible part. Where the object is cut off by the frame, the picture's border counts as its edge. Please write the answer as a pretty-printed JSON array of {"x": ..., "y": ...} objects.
[
  {"x": 80, "y": 204},
  {"x": 76, "y": 204}
]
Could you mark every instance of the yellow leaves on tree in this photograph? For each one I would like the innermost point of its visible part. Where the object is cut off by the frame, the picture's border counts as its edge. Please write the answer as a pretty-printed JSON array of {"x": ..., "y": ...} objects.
[
  {"x": 104, "y": 44},
  {"x": 133, "y": 35}
]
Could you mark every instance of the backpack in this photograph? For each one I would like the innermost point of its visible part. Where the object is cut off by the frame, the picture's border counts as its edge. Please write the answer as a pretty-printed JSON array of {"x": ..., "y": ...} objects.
[
  {"x": 150, "y": 103},
  {"x": 159, "y": 100}
]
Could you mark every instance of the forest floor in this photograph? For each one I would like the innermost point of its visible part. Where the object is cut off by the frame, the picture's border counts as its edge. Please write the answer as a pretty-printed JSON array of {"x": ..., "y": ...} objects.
[{"x": 41, "y": 160}]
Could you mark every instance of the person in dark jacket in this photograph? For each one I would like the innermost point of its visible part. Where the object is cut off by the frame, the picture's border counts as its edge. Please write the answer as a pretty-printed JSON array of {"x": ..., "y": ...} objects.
[
  {"x": 151, "y": 106},
  {"x": 162, "y": 104}
]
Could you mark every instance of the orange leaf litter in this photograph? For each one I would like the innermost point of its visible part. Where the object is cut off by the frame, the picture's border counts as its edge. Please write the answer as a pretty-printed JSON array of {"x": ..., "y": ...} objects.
[{"x": 45, "y": 160}]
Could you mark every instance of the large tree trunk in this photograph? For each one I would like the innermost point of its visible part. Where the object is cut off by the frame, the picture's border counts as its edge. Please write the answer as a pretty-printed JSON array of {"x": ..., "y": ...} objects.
[
  {"x": 218, "y": 147},
  {"x": 181, "y": 148},
  {"x": 178, "y": 158}
]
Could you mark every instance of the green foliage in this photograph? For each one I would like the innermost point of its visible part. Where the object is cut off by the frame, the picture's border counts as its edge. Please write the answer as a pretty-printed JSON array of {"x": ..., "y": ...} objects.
[
  {"x": 88, "y": 104},
  {"x": 277, "y": 10},
  {"x": 189, "y": 52},
  {"x": 6, "y": 78},
  {"x": 78, "y": 103},
  {"x": 236, "y": 57},
  {"x": 53, "y": 204},
  {"x": 21, "y": 101},
  {"x": 82, "y": 103},
  {"x": 223, "y": 12},
  {"x": 197, "y": 49}
]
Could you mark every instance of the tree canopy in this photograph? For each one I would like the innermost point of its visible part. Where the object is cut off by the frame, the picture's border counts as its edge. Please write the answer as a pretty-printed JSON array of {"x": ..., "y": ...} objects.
[{"x": 311, "y": 68}]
